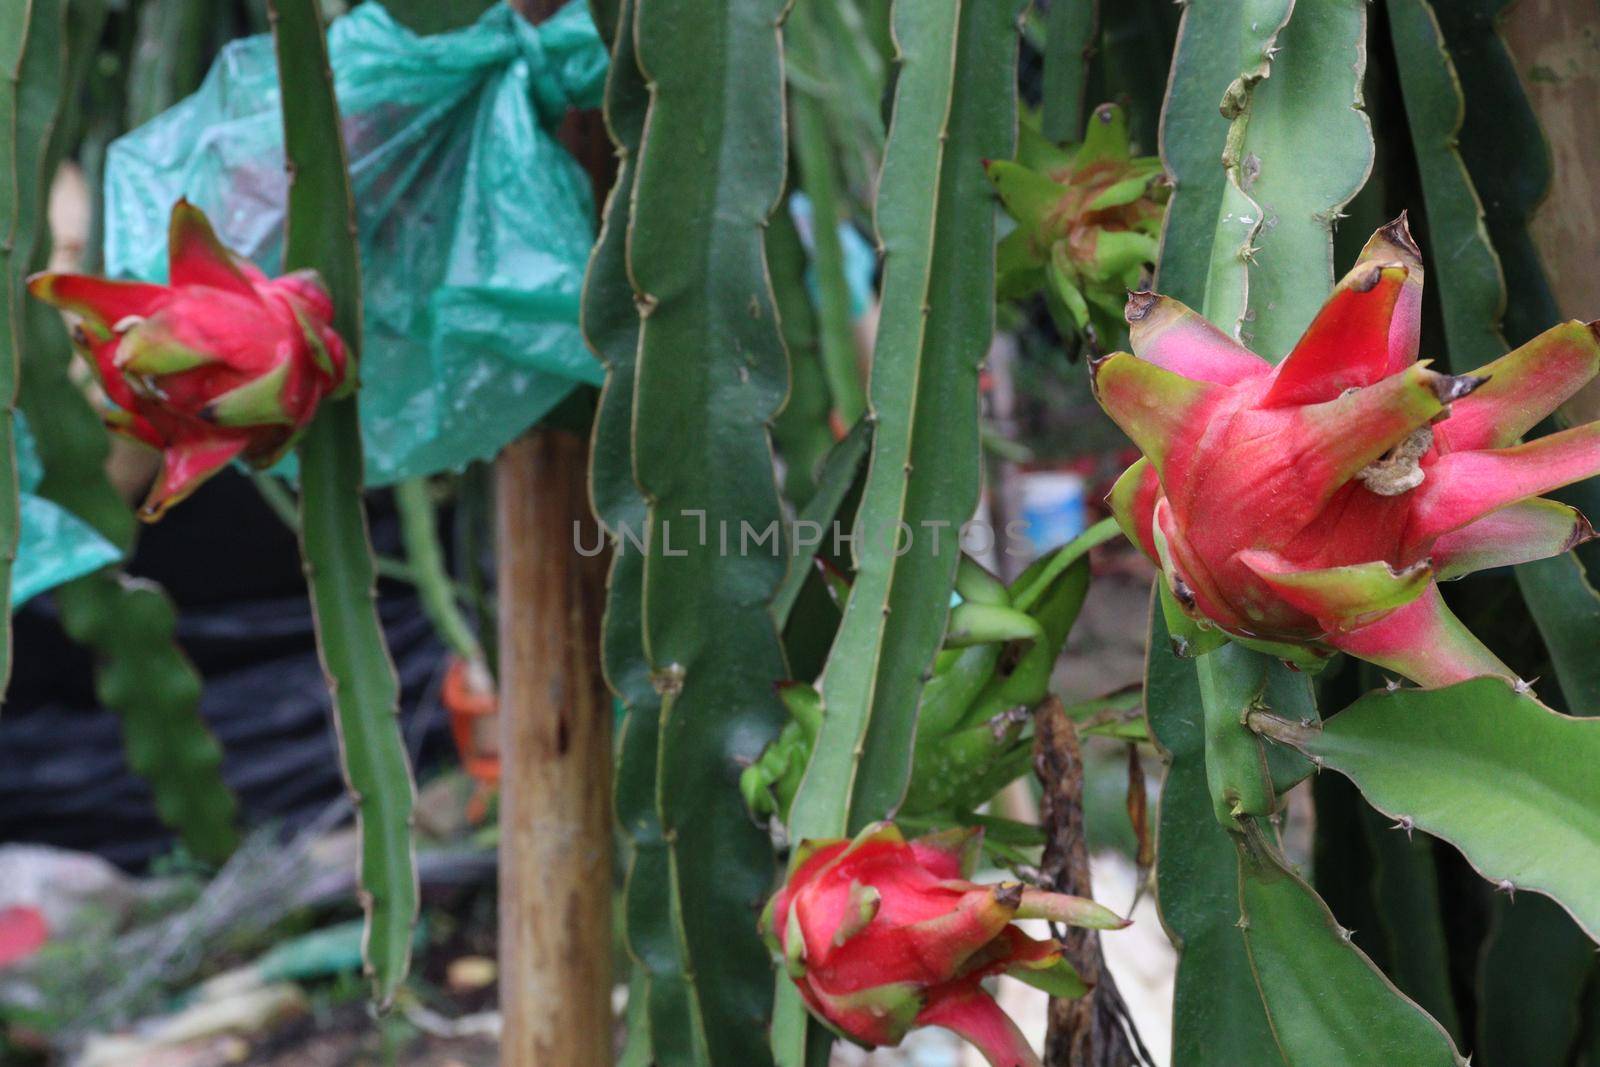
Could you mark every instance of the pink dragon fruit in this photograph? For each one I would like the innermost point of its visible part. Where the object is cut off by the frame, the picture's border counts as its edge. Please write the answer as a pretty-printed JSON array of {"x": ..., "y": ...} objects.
[
  {"x": 221, "y": 363},
  {"x": 1312, "y": 507},
  {"x": 881, "y": 936}
]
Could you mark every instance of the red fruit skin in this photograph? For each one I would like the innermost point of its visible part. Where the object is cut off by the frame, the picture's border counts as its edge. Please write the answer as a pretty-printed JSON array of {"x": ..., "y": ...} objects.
[
  {"x": 1310, "y": 505},
  {"x": 918, "y": 955},
  {"x": 221, "y": 363}
]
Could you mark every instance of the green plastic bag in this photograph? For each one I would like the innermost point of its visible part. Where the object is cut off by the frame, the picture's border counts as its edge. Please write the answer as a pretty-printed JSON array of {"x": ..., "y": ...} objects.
[
  {"x": 475, "y": 223},
  {"x": 54, "y": 546}
]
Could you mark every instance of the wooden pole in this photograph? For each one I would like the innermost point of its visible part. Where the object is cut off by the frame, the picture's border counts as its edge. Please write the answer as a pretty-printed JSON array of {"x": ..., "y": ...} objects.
[
  {"x": 1554, "y": 46},
  {"x": 555, "y": 721},
  {"x": 555, "y": 793}
]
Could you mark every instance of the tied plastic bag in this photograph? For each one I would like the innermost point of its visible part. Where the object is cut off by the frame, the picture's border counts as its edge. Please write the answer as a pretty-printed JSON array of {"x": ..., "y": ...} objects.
[
  {"x": 54, "y": 545},
  {"x": 475, "y": 224}
]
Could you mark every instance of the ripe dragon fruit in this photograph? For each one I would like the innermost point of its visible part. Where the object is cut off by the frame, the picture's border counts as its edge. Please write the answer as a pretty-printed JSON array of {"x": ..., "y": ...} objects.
[
  {"x": 1088, "y": 221},
  {"x": 221, "y": 363},
  {"x": 882, "y": 935},
  {"x": 1312, "y": 507}
]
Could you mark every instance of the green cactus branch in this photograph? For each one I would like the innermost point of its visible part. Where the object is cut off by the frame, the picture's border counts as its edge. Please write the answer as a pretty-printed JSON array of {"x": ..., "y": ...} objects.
[
  {"x": 1492, "y": 747},
  {"x": 1404, "y": 878},
  {"x": 1217, "y": 1013},
  {"x": 820, "y": 179},
  {"x": 1298, "y": 951},
  {"x": 1471, "y": 287},
  {"x": 1473, "y": 299},
  {"x": 142, "y": 675},
  {"x": 711, "y": 374},
  {"x": 1304, "y": 155},
  {"x": 953, "y": 108},
  {"x": 333, "y": 526},
  {"x": 659, "y": 1000},
  {"x": 1255, "y": 27},
  {"x": 14, "y": 40},
  {"x": 425, "y": 563},
  {"x": 1070, "y": 27},
  {"x": 1523, "y": 1015},
  {"x": 1232, "y": 680},
  {"x": 128, "y": 626},
  {"x": 802, "y": 431},
  {"x": 1295, "y": 150}
]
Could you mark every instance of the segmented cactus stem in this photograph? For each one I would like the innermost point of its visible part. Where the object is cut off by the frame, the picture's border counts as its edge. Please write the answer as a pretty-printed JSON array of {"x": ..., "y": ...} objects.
[{"x": 333, "y": 525}]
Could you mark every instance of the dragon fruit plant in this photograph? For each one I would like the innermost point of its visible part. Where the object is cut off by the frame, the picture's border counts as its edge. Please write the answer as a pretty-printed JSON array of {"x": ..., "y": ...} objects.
[
  {"x": 1088, "y": 220},
  {"x": 221, "y": 363},
  {"x": 971, "y": 741},
  {"x": 882, "y": 935},
  {"x": 1314, "y": 506}
]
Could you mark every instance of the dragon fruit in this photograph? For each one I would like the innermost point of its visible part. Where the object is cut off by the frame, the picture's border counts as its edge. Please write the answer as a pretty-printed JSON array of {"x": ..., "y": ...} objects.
[
  {"x": 1088, "y": 221},
  {"x": 222, "y": 363},
  {"x": 1313, "y": 507},
  {"x": 882, "y": 935}
]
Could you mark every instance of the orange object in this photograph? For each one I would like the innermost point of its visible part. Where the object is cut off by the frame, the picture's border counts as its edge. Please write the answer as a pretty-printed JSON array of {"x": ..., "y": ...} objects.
[{"x": 468, "y": 695}]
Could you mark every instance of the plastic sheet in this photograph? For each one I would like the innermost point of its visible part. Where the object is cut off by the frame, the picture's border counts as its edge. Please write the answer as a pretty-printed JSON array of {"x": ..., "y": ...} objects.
[
  {"x": 475, "y": 224},
  {"x": 54, "y": 545}
]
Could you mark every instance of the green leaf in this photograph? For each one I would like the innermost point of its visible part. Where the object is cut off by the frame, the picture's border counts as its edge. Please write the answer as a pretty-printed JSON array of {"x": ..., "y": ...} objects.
[
  {"x": 711, "y": 373},
  {"x": 954, "y": 107},
  {"x": 430, "y": 16},
  {"x": 1217, "y": 1015},
  {"x": 1499, "y": 775},
  {"x": 1329, "y": 1006},
  {"x": 321, "y": 234},
  {"x": 1535, "y": 964}
]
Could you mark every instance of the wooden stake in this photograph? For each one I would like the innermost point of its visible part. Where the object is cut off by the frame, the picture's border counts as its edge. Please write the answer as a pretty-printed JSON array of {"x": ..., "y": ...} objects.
[
  {"x": 555, "y": 722},
  {"x": 555, "y": 798}
]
